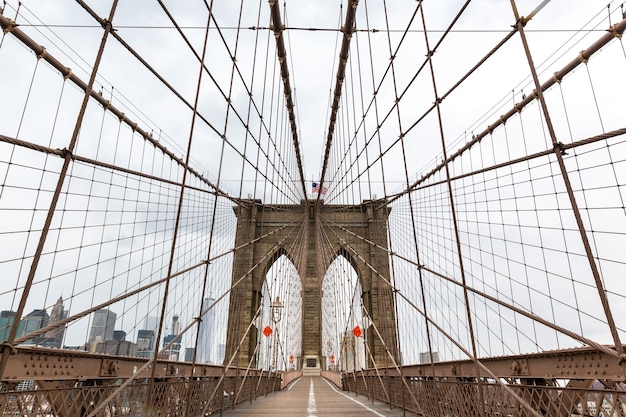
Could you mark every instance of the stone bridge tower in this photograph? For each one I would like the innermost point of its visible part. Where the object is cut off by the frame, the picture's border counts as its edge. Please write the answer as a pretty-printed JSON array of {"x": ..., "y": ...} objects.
[{"x": 273, "y": 230}]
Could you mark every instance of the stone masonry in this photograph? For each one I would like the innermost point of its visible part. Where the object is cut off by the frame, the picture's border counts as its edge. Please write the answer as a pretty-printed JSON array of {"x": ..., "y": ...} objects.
[{"x": 307, "y": 228}]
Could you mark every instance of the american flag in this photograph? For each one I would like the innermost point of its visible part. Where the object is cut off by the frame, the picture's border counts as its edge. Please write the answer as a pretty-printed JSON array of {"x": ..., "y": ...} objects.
[{"x": 316, "y": 188}]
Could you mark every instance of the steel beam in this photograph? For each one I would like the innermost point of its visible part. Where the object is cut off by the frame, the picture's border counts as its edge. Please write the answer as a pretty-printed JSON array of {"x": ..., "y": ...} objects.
[
  {"x": 579, "y": 363},
  {"x": 46, "y": 364}
]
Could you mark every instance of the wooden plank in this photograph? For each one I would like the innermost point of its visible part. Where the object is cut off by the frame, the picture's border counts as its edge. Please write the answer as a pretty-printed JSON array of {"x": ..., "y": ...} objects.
[{"x": 313, "y": 396}]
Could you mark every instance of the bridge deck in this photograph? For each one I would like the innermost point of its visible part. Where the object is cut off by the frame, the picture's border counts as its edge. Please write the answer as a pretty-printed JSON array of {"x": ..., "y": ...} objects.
[{"x": 313, "y": 396}]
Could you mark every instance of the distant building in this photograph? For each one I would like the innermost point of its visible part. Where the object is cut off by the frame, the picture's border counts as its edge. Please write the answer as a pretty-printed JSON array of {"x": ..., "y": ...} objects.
[
  {"x": 151, "y": 323},
  {"x": 145, "y": 340},
  {"x": 189, "y": 354},
  {"x": 117, "y": 347},
  {"x": 221, "y": 353},
  {"x": 144, "y": 354},
  {"x": 205, "y": 333},
  {"x": 173, "y": 352},
  {"x": 175, "y": 324},
  {"x": 7, "y": 318},
  {"x": 119, "y": 335},
  {"x": 54, "y": 338},
  {"x": 103, "y": 325},
  {"x": 146, "y": 337},
  {"x": 425, "y": 357},
  {"x": 145, "y": 343},
  {"x": 34, "y": 320}
]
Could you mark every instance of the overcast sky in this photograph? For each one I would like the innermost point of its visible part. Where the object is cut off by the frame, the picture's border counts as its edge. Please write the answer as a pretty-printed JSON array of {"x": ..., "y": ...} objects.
[{"x": 312, "y": 56}]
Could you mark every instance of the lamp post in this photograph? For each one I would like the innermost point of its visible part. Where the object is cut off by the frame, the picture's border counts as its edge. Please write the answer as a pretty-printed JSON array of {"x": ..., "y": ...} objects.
[
  {"x": 329, "y": 349},
  {"x": 276, "y": 309}
]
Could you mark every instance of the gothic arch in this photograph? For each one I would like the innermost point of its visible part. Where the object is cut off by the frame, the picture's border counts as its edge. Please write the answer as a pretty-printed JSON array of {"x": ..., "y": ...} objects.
[
  {"x": 271, "y": 260},
  {"x": 361, "y": 228},
  {"x": 342, "y": 251}
]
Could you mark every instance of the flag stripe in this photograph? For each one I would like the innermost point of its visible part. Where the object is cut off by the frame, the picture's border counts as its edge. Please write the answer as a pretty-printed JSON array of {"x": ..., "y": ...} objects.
[{"x": 316, "y": 188}]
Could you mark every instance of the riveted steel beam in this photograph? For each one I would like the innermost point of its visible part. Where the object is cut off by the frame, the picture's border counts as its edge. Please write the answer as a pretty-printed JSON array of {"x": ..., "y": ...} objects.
[
  {"x": 579, "y": 363},
  {"x": 45, "y": 364}
]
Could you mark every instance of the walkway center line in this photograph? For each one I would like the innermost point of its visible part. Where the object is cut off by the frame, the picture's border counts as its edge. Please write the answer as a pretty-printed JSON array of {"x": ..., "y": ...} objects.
[{"x": 311, "y": 411}]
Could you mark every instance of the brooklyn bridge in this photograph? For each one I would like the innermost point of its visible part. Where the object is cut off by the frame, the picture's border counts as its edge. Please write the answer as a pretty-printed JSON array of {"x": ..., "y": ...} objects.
[{"x": 312, "y": 208}]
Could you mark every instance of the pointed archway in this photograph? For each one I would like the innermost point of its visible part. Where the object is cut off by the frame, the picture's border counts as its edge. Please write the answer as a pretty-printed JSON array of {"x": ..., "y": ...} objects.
[
  {"x": 282, "y": 284},
  {"x": 267, "y": 232},
  {"x": 342, "y": 312}
]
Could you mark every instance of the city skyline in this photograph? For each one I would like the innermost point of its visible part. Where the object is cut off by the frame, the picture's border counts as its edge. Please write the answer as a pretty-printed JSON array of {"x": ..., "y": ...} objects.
[{"x": 102, "y": 331}]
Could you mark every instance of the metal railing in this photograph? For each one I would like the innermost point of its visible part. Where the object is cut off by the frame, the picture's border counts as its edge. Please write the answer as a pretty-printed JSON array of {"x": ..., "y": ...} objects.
[
  {"x": 61, "y": 383},
  {"x": 574, "y": 382}
]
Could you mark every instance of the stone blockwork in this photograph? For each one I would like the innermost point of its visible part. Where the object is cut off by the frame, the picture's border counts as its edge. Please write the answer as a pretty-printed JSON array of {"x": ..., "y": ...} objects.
[{"x": 357, "y": 232}]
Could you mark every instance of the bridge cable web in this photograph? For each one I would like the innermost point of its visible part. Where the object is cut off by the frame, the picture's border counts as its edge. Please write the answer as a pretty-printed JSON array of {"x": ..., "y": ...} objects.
[
  {"x": 516, "y": 236},
  {"x": 466, "y": 303},
  {"x": 101, "y": 283},
  {"x": 527, "y": 285}
]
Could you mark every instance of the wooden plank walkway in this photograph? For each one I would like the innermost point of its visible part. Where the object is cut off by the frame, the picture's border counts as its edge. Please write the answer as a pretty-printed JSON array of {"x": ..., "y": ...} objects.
[{"x": 314, "y": 397}]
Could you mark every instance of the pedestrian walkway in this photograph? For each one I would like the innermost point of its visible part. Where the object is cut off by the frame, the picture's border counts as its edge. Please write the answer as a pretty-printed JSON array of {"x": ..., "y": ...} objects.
[{"x": 314, "y": 397}]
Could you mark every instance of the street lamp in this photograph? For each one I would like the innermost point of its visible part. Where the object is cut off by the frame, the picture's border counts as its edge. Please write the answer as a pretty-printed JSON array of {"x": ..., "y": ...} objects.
[
  {"x": 277, "y": 313},
  {"x": 277, "y": 310}
]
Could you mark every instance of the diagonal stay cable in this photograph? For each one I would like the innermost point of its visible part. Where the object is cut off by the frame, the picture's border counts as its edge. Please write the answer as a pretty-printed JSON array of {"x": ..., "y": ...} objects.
[
  {"x": 177, "y": 93},
  {"x": 8, "y": 25},
  {"x": 61, "y": 181},
  {"x": 467, "y": 352},
  {"x": 154, "y": 358},
  {"x": 613, "y": 32},
  {"x": 529, "y": 314},
  {"x": 181, "y": 273}
]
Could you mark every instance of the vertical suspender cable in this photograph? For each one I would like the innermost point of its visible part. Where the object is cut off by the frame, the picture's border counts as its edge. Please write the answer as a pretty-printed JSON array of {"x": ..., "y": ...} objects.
[
  {"x": 277, "y": 27},
  {"x": 348, "y": 30}
]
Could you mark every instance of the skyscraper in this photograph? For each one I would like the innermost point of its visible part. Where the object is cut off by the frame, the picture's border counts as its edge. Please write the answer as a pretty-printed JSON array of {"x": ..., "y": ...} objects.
[
  {"x": 205, "y": 333},
  {"x": 119, "y": 335},
  {"x": 146, "y": 337},
  {"x": 189, "y": 354},
  {"x": 173, "y": 351},
  {"x": 34, "y": 320},
  {"x": 145, "y": 343},
  {"x": 6, "y": 321},
  {"x": 175, "y": 325},
  {"x": 152, "y": 323},
  {"x": 54, "y": 338},
  {"x": 103, "y": 325}
]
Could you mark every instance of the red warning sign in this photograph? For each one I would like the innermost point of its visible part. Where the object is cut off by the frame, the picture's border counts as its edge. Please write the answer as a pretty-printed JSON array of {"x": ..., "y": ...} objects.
[
  {"x": 267, "y": 331},
  {"x": 357, "y": 331}
]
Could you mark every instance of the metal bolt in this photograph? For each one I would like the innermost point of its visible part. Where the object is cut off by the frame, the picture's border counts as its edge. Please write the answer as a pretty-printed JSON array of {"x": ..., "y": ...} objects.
[{"x": 515, "y": 367}]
